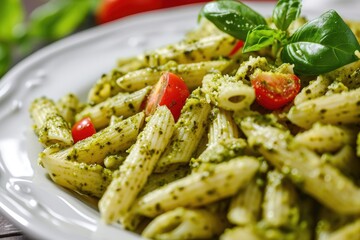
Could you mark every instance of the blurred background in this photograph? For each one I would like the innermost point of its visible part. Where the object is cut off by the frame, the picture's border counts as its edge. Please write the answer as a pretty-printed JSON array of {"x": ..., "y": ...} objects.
[{"x": 27, "y": 25}]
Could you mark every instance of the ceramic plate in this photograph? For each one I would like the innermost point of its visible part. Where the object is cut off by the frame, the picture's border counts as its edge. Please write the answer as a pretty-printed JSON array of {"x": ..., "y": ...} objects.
[{"x": 27, "y": 196}]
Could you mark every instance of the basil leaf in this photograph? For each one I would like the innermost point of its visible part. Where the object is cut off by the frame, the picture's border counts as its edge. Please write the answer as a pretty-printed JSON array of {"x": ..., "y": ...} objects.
[
  {"x": 11, "y": 16},
  {"x": 56, "y": 19},
  {"x": 285, "y": 12},
  {"x": 232, "y": 17},
  {"x": 321, "y": 45},
  {"x": 5, "y": 58},
  {"x": 262, "y": 37}
]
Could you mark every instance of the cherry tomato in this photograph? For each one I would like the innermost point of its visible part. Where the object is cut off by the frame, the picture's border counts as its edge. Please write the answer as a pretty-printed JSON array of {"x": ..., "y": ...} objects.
[
  {"x": 110, "y": 10},
  {"x": 237, "y": 47},
  {"x": 275, "y": 90},
  {"x": 171, "y": 91},
  {"x": 82, "y": 129}
]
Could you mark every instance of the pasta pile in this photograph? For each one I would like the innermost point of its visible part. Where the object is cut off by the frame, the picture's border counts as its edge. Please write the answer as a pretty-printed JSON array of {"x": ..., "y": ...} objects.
[{"x": 228, "y": 168}]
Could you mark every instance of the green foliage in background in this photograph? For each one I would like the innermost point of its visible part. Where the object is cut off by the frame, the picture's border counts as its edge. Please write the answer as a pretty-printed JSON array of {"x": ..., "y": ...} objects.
[{"x": 48, "y": 22}]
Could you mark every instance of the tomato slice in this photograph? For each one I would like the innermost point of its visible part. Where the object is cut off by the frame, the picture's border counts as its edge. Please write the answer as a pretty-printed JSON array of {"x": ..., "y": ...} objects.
[
  {"x": 171, "y": 91},
  {"x": 82, "y": 129},
  {"x": 275, "y": 90}
]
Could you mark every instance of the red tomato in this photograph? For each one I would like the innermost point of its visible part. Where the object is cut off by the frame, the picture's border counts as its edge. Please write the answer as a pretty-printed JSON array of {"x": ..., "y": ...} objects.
[
  {"x": 237, "y": 47},
  {"x": 275, "y": 90},
  {"x": 82, "y": 129},
  {"x": 110, "y": 10},
  {"x": 171, "y": 91}
]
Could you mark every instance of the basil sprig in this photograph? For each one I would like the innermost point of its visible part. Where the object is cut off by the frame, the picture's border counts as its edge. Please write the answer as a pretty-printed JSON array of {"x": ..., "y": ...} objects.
[
  {"x": 285, "y": 12},
  {"x": 319, "y": 46},
  {"x": 232, "y": 17}
]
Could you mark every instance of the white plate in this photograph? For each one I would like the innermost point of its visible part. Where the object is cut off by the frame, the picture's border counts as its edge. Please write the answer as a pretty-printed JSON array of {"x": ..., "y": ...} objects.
[{"x": 27, "y": 196}]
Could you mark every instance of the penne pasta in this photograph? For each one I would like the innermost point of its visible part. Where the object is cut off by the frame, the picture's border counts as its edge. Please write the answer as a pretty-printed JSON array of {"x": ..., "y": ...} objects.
[
  {"x": 199, "y": 189},
  {"x": 303, "y": 166},
  {"x": 123, "y": 104},
  {"x": 105, "y": 87},
  {"x": 188, "y": 131},
  {"x": 326, "y": 138},
  {"x": 86, "y": 179},
  {"x": 228, "y": 92},
  {"x": 111, "y": 140},
  {"x": 340, "y": 108},
  {"x": 222, "y": 126},
  {"x": 191, "y": 73},
  {"x": 49, "y": 125},
  {"x": 137, "y": 167},
  {"x": 68, "y": 106},
  {"x": 245, "y": 206},
  {"x": 182, "y": 223}
]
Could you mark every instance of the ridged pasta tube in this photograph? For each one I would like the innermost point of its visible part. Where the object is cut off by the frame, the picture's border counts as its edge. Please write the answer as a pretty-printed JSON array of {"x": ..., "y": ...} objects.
[
  {"x": 303, "y": 166},
  {"x": 326, "y": 138},
  {"x": 49, "y": 125},
  {"x": 157, "y": 180},
  {"x": 110, "y": 140},
  {"x": 68, "y": 106},
  {"x": 105, "y": 87},
  {"x": 248, "y": 233},
  {"x": 187, "y": 51},
  {"x": 330, "y": 222},
  {"x": 349, "y": 231},
  {"x": 345, "y": 160},
  {"x": 123, "y": 104},
  {"x": 245, "y": 206},
  {"x": 199, "y": 189},
  {"x": 349, "y": 75},
  {"x": 340, "y": 108},
  {"x": 138, "y": 166},
  {"x": 280, "y": 206},
  {"x": 222, "y": 126},
  {"x": 218, "y": 152},
  {"x": 316, "y": 88},
  {"x": 191, "y": 73},
  {"x": 87, "y": 179},
  {"x": 204, "y": 49},
  {"x": 228, "y": 92},
  {"x": 186, "y": 224},
  {"x": 188, "y": 131}
]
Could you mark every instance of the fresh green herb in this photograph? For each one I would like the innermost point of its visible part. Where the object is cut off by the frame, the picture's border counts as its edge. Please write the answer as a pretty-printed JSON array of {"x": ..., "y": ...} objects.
[
  {"x": 285, "y": 12},
  {"x": 50, "y": 21},
  {"x": 261, "y": 37},
  {"x": 319, "y": 46},
  {"x": 232, "y": 17}
]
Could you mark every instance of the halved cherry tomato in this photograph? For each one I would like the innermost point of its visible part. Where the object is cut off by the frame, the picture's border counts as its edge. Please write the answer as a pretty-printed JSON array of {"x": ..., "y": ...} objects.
[
  {"x": 275, "y": 90},
  {"x": 237, "y": 47},
  {"x": 82, "y": 129},
  {"x": 110, "y": 10},
  {"x": 171, "y": 91}
]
